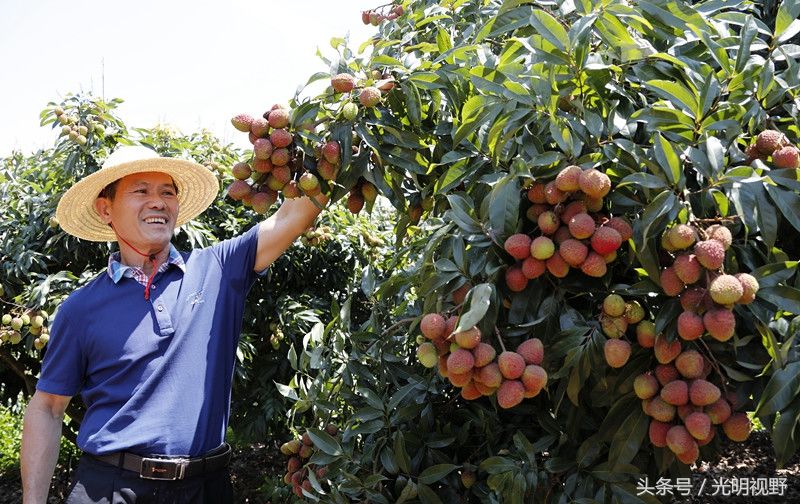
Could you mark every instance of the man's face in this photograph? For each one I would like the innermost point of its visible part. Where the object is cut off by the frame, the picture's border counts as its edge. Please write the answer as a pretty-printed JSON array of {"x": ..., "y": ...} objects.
[{"x": 144, "y": 209}]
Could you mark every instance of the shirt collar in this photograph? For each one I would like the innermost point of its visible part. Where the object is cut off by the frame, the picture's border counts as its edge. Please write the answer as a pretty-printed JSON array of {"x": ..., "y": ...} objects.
[{"x": 116, "y": 270}]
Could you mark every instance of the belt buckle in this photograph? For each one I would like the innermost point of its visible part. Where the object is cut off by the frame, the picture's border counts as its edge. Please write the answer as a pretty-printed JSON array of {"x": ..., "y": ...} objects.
[{"x": 163, "y": 469}]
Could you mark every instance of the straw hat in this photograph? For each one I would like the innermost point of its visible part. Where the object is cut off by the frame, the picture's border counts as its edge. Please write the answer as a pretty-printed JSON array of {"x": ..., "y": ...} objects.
[{"x": 197, "y": 188}]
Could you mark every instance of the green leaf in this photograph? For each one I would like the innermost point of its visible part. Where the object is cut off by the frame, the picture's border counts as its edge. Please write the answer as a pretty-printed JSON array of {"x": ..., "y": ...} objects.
[
  {"x": 746, "y": 37},
  {"x": 325, "y": 442},
  {"x": 504, "y": 206},
  {"x": 784, "y": 297},
  {"x": 548, "y": 27},
  {"x": 782, "y": 388},
  {"x": 426, "y": 495},
  {"x": 787, "y": 24},
  {"x": 459, "y": 212},
  {"x": 668, "y": 158},
  {"x": 497, "y": 465},
  {"x": 400, "y": 453},
  {"x": 478, "y": 301},
  {"x": 626, "y": 442},
  {"x": 678, "y": 94},
  {"x": 435, "y": 473},
  {"x": 787, "y": 203},
  {"x": 413, "y": 103},
  {"x": 286, "y": 391}
]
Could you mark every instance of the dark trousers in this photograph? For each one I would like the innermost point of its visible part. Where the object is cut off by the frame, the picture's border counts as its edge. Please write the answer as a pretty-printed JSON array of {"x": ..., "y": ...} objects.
[{"x": 96, "y": 482}]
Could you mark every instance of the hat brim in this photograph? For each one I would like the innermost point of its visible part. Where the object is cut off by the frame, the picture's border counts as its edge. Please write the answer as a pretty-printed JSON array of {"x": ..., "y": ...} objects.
[{"x": 197, "y": 188}]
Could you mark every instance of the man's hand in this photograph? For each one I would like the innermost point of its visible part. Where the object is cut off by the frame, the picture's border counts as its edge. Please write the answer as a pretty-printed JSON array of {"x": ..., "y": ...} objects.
[{"x": 283, "y": 227}]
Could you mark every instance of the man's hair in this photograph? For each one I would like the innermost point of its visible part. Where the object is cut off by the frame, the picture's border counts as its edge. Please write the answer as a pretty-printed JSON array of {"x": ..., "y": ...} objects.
[{"x": 110, "y": 190}]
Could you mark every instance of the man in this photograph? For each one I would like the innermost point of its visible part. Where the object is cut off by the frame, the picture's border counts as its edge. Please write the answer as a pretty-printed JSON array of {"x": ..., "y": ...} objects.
[{"x": 151, "y": 342}]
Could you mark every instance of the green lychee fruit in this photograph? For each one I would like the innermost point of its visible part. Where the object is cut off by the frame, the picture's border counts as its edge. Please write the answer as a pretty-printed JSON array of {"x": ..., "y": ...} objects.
[
  {"x": 721, "y": 234},
  {"x": 427, "y": 355},
  {"x": 634, "y": 312},
  {"x": 682, "y": 236},
  {"x": 350, "y": 111},
  {"x": 242, "y": 122},
  {"x": 614, "y": 327},
  {"x": 291, "y": 190},
  {"x": 645, "y": 386},
  {"x": 542, "y": 248},
  {"x": 309, "y": 184},
  {"x": 6, "y": 319},
  {"x": 614, "y": 305}
]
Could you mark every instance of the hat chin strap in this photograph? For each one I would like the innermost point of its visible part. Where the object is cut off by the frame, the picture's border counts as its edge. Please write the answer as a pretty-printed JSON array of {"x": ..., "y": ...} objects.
[{"x": 152, "y": 258}]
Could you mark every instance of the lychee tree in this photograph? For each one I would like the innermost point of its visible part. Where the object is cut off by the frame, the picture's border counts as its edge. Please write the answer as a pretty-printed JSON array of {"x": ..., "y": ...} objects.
[{"x": 541, "y": 159}]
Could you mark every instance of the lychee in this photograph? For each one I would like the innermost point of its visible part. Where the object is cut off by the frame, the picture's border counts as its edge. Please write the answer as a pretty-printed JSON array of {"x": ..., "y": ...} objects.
[
  {"x": 721, "y": 234},
  {"x": 786, "y": 157},
  {"x": 703, "y": 393},
  {"x": 533, "y": 268},
  {"x": 614, "y": 305},
  {"x": 553, "y": 195},
  {"x": 622, "y": 226},
  {"x": 470, "y": 392},
  {"x": 238, "y": 189},
  {"x": 675, "y": 393},
  {"x": 720, "y": 324},
  {"x": 515, "y": 279},
  {"x": 660, "y": 410},
  {"x": 768, "y": 141},
  {"x": 460, "y": 361},
  {"x": 280, "y": 138},
  {"x": 468, "y": 339},
  {"x": 658, "y": 433},
  {"x": 331, "y": 151},
  {"x": 542, "y": 248},
  {"x": 548, "y": 222},
  {"x": 557, "y": 266},
  {"x": 573, "y": 252},
  {"x": 749, "y": 288},
  {"x": 534, "y": 378},
  {"x": 646, "y": 334},
  {"x": 369, "y": 96},
  {"x": 682, "y": 236},
  {"x": 459, "y": 379},
  {"x": 725, "y": 289},
  {"x": 687, "y": 268},
  {"x": 718, "y": 411},
  {"x": 343, "y": 83},
  {"x": 645, "y": 386},
  {"x": 536, "y": 193},
  {"x": 594, "y": 265},
  {"x": 484, "y": 354},
  {"x": 278, "y": 118},
  {"x": 532, "y": 351},
  {"x": 571, "y": 210},
  {"x": 690, "y": 364},
  {"x": 665, "y": 351},
  {"x": 666, "y": 373},
  {"x": 511, "y": 365},
  {"x": 489, "y": 375},
  {"x": 606, "y": 240},
  {"x": 327, "y": 170},
  {"x": 634, "y": 312},
  {"x": 259, "y": 127},
  {"x": 535, "y": 211},
  {"x": 617, "y": 352},
  {"x": 432, "y": 326},
  {"x": 518, "y": 246},
  {"x": 737, "y": 427},
  {"x": 242, "y": 122},
  {"x": 355, "y": 202},
  {"x": 561, "y": 235},
  {"x": 690, "y": 326},
  {"x": 670, "y": 283},
  {"x": 679, "y": 440},
  {"x": 427, "y": 355},
  {"x": 710, "y": 253},
  {"x": 241, "y": 171},
  {"x": 594, "y": 183},
  {"x": 510, "y": 394},
  {"x": 581, "y": 226},
  {"x": 693, "y": 299},
  {"x": 568, "y": 179},
  {"x": 614, "y": 327},
  {"x": 279, "y": 157},
  {"x": 698, "y": 424}
]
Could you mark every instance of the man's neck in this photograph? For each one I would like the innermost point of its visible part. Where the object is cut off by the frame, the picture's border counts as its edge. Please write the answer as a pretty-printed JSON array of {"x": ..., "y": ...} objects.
[{"x": 129, "y": 257}]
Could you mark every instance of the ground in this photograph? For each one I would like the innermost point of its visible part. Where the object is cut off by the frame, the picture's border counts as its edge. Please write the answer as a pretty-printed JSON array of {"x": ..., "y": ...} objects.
[{"x": 752, "y": 459}]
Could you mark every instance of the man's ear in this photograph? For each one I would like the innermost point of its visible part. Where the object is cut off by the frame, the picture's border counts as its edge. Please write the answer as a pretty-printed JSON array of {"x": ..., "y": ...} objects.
[{"x": 103, "y": 208}]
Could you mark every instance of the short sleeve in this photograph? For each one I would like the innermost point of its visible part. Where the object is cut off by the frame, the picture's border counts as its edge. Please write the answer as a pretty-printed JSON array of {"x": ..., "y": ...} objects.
[
  {"x": 64, "y": 366},
  {"x": 237, "y": 256}
]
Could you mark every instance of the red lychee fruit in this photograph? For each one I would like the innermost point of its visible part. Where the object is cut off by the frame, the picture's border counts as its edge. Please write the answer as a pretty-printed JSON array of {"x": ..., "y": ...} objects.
[
  {"x": 557, "y": 266},
  {"x": 786, "y": 157},
  {"x": 511, "y": 365},
  {"x": 693, "y": 299},
  {"x": 548, "y": 222},
  {"x": 468, "y": 339},
  {"x": 532, "y": 351},
  {"x": 703, "y": 393},
  {"x": 280, "y": 138},
  {"x": 594, "y": 265},
  {"x": 573, "y": 252},
  {"x": 688, "y": 268},
  {"x": 510, "y": 394},
  {"x": 484, "y": 354},
  {"x": 571, "y": 210},
  {"x": 660, "y": 410},
  {"x": 241, "y": 171},
  {"x": 553, "y": 195},
  {"x": 617, "y": 352},
  {"x": 238, "y": 189},
  {"x": 720, "y": 323},
  {"x": 355, "y": 202},
  {"x": 278, "y": 118},
  {"x": 718, "y": 411},
  {"x": 432, "y": 326},
  {"x": 594, "y": 183},
  {"x": 675, "y": 393},
  {"x": 280, "y": 157},
  {"x": 680, "y": 441},
  {"x": 690, "y": 364},
  {"x": 658, "y": 433},
  {"x": 460, "y": 361},
  {"x": 690, "y": 326},
  {"x": 666, "y": 373},
  {"x": 330, "y": 151},
  {"x": 606, "y": 240},
  {"x": 535, "y": 211},
  {"x": 581, "y": 226},
  {"x": 536, "y": 193},
  {"x": 489, "y": 375},
  {"x": 561, "y": 235},
  {"x": 622, "y": 226},
  {"x": 459, "y": 379},
  {"x": 460, "y": 294},
  {"x": 533, "y": 268},
  {"x": 291, "y": 190},
  {"x": 768, "y": 141},
  {"x": 518, "y": 246},
  {"x": 343, "y": 83},
  {"x": 261, "y": 202},
  {"x": 369, "y": 191},
  {"x": 534, "y": 378},
  {"x": 665, "y": 351},
  {"x": 262, "y": 148},
  {"x": 568, "y": 179},
  {"x": 515, "y": 279},
  {"x": 327, "y": 170},
  {"x": 470, "y": 392},
  {"x": 737, "y": 427},
  {"x": 721, "y": 234},
  {"x": 242, "y": 122},
  {"x": 698, "y": 424},
  {"x": 726, "y": 289},
  {"x": 369, "y": 96},
  {"x": 670, "y": 283},
  {"x": 710, "y": 253}
]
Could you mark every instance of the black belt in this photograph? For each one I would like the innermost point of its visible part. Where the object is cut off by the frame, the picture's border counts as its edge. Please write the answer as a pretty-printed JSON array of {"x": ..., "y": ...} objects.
[{"x": 169, "y": 468}]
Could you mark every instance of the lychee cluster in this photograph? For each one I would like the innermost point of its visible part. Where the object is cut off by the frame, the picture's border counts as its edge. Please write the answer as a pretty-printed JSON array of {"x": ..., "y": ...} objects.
[
  {"x": 774, "y": 144},
  {"x": 18, "y": 324},
  {"x": 362, "y": 192},
  {"x": 617, "y": 316},
  {"x": 277, "y": 163},
  {"x": 696, "y": 276},
  {"x": 77, "y": 130},
  {"x": 685, "y": 407},
  {"x": 315, "y": 237},
  {"x": 572, "y": 231},
  {"x": 298, "y": 468},
  {"x": 368, "y": 92},
  {"x": 377, "y": 16},
  {"x": 474, "y": 366}
]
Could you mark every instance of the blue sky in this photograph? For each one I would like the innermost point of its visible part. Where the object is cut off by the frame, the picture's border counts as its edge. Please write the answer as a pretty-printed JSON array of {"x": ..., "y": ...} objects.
[{"x": 188, "y": 64}]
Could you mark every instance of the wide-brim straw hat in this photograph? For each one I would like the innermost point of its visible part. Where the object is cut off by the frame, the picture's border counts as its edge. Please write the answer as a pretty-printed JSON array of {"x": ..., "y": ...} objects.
[{"x": 197, "y": 188}]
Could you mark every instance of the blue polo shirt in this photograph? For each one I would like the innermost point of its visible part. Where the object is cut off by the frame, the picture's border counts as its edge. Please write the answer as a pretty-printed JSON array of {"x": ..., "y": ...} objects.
[{"x": 155, "y": 374}]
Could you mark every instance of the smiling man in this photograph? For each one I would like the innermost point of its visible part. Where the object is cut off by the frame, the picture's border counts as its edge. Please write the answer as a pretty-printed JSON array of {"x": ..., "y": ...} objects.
[{"x": 150, "y": 343}]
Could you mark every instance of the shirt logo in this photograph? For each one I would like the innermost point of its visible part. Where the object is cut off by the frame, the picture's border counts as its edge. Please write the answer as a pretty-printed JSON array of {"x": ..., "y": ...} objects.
[{"x": 195, "y": 298}]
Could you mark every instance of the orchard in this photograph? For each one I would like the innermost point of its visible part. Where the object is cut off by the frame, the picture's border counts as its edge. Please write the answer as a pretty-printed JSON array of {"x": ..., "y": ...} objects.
[{"x": 561, "y": 254}]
